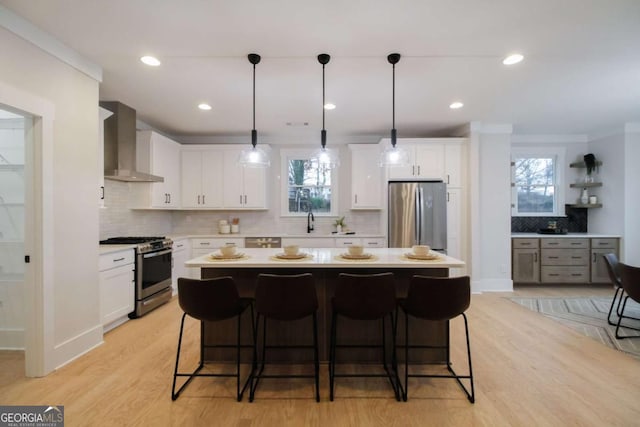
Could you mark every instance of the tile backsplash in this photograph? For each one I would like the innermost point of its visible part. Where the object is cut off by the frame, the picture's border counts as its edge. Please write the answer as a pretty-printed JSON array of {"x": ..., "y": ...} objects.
[
  {"x": 575, "y": 221},
  {"x": 116, "y": 219}
]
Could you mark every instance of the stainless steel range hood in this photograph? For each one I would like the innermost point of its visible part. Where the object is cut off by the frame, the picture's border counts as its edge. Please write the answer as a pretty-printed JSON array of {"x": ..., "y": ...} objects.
[{"x": 120, "y": 145}]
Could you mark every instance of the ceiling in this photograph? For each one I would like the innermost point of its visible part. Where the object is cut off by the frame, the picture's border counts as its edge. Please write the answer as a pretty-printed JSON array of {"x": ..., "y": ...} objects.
[{"x": 580, "y": 75}]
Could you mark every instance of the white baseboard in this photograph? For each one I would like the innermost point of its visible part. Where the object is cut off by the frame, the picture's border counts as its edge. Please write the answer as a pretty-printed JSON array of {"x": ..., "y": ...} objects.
[
  {"x": 492, "y": 285},
  {"x": 11, "y": 339},
  {"x": 75, "y": 347}
]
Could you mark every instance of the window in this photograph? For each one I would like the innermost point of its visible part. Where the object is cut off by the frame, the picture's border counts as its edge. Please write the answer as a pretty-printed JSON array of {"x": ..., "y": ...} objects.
[
  {"x": 308, "y": 185},
  {"x": 536, "y": 176}
]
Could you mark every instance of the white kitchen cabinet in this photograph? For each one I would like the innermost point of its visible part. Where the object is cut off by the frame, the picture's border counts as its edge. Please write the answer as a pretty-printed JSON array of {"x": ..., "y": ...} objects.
[
  {"x": 453, "y": 161},
  {"x": 157, "y": 155},
  {"x": 117, "y": 287},
  {"x": 426, "y": 159},
  {"x": 343, "y": 242},
  {"x": 211, "y": 244},
  {"x": 431, "y": 159},
  {"x": 309, "y": 242},
  {"x": 366, "y": 176},
  {"x": 181, "y": 254},
  {"x": 103, "y": 114},
  {"x": 202, "y": 179},
  {"x": 244, "y": 187}
]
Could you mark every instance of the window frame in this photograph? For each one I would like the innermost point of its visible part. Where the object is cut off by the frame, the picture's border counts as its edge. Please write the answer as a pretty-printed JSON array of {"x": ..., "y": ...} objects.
[
  {"x": 558, "y": 154},
  {"x": 298, "y": 154}
]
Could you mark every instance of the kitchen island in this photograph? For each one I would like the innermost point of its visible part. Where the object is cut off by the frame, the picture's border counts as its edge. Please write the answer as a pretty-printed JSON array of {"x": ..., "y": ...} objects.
[{"x": 325, "y": 264}]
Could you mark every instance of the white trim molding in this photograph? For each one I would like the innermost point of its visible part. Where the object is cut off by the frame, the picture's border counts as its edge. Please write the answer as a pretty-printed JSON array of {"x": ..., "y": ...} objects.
[
  {"x": 77, "y": 346},
  {"x": 549, "y": 139}
]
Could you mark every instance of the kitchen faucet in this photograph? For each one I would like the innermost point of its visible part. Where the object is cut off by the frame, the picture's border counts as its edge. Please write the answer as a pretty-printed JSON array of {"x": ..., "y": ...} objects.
[{"x": 310, "y": 220}]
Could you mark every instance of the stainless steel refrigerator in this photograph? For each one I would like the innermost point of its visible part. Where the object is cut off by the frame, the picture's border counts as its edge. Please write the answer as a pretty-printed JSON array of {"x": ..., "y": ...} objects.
[{"x": 418, "y": 214}]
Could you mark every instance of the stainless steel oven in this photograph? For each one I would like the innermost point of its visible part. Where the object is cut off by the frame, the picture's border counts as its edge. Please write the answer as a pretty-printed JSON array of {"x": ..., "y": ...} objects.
[{"x": 153, "y": 271}]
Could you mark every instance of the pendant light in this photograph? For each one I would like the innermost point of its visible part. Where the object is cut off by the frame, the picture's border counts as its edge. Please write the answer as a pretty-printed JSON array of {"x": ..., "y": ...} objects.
[
  {"x": 326, "y": 159},
  {"x": 254, "y": 156},
  {"x": 394, "y": 156}
]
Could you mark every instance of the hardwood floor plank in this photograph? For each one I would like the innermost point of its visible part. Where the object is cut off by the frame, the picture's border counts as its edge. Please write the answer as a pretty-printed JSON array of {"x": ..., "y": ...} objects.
[{"x": 530, "y": 370}]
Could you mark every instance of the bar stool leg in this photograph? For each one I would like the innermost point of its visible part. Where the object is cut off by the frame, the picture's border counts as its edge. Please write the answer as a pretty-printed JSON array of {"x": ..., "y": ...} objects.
[
  {"x": 332, "y": 355},
  {"x": 406, "y": 356},
  {"x": 316, "y": 358}
]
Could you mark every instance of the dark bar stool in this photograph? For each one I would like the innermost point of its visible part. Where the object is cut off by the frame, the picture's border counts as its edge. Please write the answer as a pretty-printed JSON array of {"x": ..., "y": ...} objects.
[
  {"x": 212, "y": 300},
  {"x": 365, "y": 297},
  {"x": 286, "y": 298},
  {"x": 437, "y": 299}
]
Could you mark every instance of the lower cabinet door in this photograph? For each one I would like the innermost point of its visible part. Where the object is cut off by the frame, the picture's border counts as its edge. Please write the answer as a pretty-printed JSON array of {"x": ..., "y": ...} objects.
[
  {"x": 526, "y": 265},
  {"x": 117, "y": 293}
]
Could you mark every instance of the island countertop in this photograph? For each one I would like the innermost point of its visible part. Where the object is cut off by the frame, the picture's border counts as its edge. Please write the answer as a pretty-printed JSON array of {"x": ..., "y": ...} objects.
[{"x": 324, "y": 258}]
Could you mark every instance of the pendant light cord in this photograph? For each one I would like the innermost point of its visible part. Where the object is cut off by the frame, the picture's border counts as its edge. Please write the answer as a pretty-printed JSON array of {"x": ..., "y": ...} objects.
[
  {"x": 254, "y": 136},
  {"x": 323, "y": 142},
  {"x": 393, "y": 105}
]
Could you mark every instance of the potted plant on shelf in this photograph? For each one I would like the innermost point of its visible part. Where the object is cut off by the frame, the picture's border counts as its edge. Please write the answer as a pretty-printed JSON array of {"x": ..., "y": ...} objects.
[
  {"x": 590, "y": 163},
  {"x": 340, "y": 224}
]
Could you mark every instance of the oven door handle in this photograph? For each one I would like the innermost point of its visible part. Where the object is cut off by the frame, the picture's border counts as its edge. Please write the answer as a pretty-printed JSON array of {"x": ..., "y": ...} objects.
[{"x": 152, "y": 254}]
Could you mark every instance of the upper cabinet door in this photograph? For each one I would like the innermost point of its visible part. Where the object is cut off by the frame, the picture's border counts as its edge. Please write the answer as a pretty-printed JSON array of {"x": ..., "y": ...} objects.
[
  {"x": 233, "y": 194},
  {"x": 366, "y": 177},
  {"x": 453, "y": 164},
  {"x": 404, "y": 172},
  {"x": 212, "y": 179},
  {"x": 191, "y": 179},
  {"x": 254, "y": 188},
  {"x": 429, "y": 161}
]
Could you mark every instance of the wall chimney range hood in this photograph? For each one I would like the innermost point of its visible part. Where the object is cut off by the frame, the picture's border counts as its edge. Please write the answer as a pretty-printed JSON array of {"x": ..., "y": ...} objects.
[{"x": 120, "y": 145}]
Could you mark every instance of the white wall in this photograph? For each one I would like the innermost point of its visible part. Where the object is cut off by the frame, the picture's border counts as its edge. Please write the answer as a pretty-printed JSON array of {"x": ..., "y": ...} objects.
[
  {"x": 610, "y": 218},
  {"x": 74, "y": 95},
  {"x": 490, "y": 197},
  {"x": 631, "y": 240}
]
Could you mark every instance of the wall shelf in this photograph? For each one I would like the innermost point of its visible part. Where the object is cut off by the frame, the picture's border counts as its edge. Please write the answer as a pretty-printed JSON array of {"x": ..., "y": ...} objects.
[
  {"x": 583, "y": 164},
  {"x": 586, "y": 185},
  {"x": 588, "y": 205}
]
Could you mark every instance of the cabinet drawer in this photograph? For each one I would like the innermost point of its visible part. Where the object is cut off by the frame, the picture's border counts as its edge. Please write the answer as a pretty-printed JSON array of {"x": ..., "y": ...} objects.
[
  {"x": 116, "y": 259},
  {"x": 216, "y": 243},
  {"x": 551, "y": 274},
  {"x": 525, "y": 243},
  {"x": 565, "y": 243},
  {"x": 565, "y": 257},
  {"x": 374, "y": 243},
  {"x": 343, "y": 242},
  {"x": 604, "y": 243}
]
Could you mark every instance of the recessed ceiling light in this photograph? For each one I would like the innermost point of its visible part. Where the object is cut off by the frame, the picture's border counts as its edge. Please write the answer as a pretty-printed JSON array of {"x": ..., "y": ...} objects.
[
  {"x": 329, "y": 106},
  {"x": 150, "y": 60},
  {"x": 205, "y": 107},
  {"x": 455, "y": 105},
  {"x": 512, "y": 59}
]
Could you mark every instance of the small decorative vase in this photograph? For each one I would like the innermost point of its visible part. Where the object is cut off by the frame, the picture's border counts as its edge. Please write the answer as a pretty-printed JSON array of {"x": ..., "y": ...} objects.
[
  {"x": 339, "y": 228},
  {"x": 584, "y": 199}
]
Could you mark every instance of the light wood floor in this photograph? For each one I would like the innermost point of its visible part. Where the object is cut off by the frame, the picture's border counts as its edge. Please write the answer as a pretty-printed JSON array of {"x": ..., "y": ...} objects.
[{"x": 530, "y": 371}]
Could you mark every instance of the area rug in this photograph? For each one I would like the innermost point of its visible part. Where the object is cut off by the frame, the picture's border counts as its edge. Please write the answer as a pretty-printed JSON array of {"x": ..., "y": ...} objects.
[{"x": 588, "y": 316}]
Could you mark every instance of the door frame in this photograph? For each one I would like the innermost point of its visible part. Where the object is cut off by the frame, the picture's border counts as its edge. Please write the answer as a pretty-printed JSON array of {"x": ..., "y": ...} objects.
[{"x": 39, "y": 228}]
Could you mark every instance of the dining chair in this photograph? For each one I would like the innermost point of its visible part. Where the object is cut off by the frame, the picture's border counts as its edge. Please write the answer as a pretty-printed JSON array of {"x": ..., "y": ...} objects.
[{"x": 630, "y": 280}]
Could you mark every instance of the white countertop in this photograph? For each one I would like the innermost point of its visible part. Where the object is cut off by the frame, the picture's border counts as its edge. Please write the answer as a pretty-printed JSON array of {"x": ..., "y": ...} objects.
[
  {"x": 323, "y": 258},
  {"x": 565, "y": 236}
]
